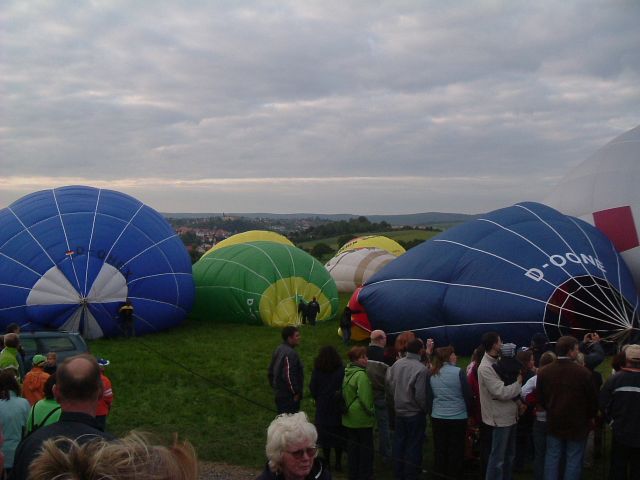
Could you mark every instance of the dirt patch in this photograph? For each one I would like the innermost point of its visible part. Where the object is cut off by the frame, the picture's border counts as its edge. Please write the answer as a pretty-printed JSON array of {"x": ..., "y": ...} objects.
[{"x": 224, "y": 471}]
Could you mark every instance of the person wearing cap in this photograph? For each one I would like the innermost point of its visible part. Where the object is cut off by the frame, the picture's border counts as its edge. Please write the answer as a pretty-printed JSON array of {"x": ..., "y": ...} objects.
[
  {"x": 619, "y": 400},
  {"x": 104, "y": 405},
  {"x": 33, "y": 385}
]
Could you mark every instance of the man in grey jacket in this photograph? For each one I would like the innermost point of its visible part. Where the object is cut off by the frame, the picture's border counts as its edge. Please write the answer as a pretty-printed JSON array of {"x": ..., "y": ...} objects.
[
  {"x": 407, "y": 384},
  {"x": 499, "y": 410},
  {"x": 286, "y": 375}
]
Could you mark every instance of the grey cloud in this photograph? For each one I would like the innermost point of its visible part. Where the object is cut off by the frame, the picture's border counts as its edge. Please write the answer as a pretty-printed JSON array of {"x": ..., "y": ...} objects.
[{"x": 290, "y": 89}]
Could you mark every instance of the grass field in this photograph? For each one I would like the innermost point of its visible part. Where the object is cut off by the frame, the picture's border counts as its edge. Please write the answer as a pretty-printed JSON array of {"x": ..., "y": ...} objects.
[{"x": 208, "y": 383}]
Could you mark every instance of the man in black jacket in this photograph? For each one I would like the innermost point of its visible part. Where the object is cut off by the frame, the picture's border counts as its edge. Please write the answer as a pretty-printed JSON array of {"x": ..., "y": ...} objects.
[
  {"x": 286, "y": 375},
  {"x": 377, "y": 371},
  {"x": 78, "y": 388},
  {"x": 619, "y": 400}
]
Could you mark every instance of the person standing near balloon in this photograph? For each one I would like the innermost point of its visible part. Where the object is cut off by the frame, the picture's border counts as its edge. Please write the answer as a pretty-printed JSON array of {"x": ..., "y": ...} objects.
[
  {"x": 9, "y": 354},
  {"x": 313, "y": 309},
  {"x": 126, "y": 319},
  {"x": 286, "y": 372},
  {"x": 360, "y": 416},
  {"x": 33, "y": 385},
  {"x": 104, "y": 405},
  {"x": 377, "y": 371},
  {"x": 499, "y": 411},
  {"x": 407, "y": 383},
  {"x": 449, "y": 396}
]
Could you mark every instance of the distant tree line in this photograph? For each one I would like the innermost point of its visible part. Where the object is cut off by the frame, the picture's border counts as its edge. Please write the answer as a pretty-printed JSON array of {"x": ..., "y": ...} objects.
[{"x": 341, "y": 228}]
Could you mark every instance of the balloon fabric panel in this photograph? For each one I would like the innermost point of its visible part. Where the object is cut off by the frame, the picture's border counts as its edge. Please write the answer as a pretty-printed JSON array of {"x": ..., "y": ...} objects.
[
  {"x": 78, "y": 246},
  {"x": 260, "y": 282},
  {"x": 503, "y": 272}
]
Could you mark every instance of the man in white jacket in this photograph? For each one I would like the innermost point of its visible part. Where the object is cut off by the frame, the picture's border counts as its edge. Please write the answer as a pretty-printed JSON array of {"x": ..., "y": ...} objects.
[{"x": 499, "y": 410}]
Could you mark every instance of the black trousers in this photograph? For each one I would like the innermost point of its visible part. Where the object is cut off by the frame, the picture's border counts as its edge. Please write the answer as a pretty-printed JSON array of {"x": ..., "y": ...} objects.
[
  {"x": 448, "y": 446},
  {"x": 360, "y": 453},
  {"x": 625, "y": 461}
]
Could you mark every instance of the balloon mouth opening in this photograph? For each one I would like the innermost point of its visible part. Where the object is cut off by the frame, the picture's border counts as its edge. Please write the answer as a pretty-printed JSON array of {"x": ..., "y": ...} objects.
[{"x": 588, "y": 304}]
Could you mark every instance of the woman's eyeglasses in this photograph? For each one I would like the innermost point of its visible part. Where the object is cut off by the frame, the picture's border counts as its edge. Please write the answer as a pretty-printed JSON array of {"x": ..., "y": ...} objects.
[{"x": 310, "y": 451}]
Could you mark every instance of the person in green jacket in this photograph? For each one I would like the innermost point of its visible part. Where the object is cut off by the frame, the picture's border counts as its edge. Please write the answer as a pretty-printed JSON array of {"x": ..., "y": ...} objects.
[{"x": 360, "y": 416}]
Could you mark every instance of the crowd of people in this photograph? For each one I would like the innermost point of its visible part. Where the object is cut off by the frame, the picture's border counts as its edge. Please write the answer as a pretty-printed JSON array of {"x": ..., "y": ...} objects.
[{"x": 542, "y": 405}]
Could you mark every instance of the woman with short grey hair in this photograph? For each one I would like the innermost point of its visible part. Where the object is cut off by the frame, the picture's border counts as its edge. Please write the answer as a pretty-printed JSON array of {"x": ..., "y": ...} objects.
[{"x": 291, "y": 450}]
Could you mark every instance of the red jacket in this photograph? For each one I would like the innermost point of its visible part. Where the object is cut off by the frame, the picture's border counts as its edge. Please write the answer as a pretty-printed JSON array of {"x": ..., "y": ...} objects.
[{"x": 104, "y": 405}]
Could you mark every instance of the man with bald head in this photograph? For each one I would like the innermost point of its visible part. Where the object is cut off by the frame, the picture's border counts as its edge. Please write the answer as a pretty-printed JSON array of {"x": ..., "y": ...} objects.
[
  {"x": 377, "y": 371},
  {"x": 78, "y": 389}
]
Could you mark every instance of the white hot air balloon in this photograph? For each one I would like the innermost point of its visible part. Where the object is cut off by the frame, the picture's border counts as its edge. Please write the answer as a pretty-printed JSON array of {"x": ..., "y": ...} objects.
[
  {"x": 604, "y": 190},
  {"x": 352, "y": 268}
]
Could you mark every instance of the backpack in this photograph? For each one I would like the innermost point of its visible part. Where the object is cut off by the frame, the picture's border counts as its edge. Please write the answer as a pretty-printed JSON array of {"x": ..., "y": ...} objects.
[{"x": 34, "y": 425}]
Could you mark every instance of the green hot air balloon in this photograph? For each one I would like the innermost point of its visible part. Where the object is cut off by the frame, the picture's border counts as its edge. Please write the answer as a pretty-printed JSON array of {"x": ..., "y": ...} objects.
[{"x": 261, "y": 282}]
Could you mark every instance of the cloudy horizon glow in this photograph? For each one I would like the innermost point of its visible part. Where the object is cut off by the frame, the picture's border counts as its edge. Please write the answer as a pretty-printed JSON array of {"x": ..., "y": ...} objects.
[{"x": 313, "y": 106}]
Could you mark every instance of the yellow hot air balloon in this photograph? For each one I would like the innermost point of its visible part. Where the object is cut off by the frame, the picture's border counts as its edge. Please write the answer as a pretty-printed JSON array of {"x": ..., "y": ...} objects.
[
  {"x": 373, "y": 241},
  {"x": 250, "y": 236}
]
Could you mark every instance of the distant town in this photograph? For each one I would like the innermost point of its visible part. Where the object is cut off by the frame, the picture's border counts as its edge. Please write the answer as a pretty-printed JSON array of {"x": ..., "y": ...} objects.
[{"x": 199, "y": 234}]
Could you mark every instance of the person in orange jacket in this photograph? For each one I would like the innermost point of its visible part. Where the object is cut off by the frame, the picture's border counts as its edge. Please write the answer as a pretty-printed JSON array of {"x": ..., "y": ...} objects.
[
  {"x": 104, "y": 404},
  {"x": 33, "y": 385}
]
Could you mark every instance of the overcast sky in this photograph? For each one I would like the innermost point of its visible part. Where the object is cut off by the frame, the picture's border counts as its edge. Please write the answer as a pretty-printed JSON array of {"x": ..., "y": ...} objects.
[{"x": 313, "y": 106}]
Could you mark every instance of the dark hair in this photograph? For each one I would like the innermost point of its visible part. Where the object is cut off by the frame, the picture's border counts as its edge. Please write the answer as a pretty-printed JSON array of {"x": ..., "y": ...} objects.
[
  {"x": 415, "y": 345},
  {"x": 289, "y": 331},
  {"x": 402, "y": 340},
  {"x": 478, "y": 353},
  {"x": 79, "y": 384},
  {"x": 524, "y": 356},
  {"x": 547, "y": 358},
  {"x": 48, "y": 387},
  {"x": 356, "y": 352},
  {"x": 8, "y": 383},
  {"x": 12, "y": 328},
  {"x": 442, "y": 355},
  {"x": 11, "y": 340},
  {"x": 489, "y": 339},
  {"x": 565, "y": 344},
  {"x": 328, "y": 359}
]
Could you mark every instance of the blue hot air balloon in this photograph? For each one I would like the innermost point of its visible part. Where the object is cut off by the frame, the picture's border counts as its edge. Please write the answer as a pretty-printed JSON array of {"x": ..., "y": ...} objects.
[
  {"x": 518, "y": 271},
  {"x": 71, "y": 256}
]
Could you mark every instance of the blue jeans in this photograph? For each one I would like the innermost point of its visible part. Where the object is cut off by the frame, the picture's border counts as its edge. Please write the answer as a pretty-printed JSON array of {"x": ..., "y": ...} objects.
[
  {"x": 539, "y": 447},
  {"x": 407, "y": 446},
  {"x": 574, "y": 453},
  {"x": 503, "y": 451},
  {"x": 384, "y": 432}
]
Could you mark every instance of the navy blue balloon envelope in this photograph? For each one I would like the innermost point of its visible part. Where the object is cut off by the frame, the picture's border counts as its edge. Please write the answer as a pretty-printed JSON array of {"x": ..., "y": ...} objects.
[
  {"x": 517, "y": 271},
  {"x": 70, "y": 257}
]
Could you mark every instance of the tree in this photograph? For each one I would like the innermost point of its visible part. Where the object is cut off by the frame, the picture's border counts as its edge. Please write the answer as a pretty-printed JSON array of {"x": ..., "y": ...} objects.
[
  {"x": 344, "y": 239},
  {"x": 320, "y": 249}
]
